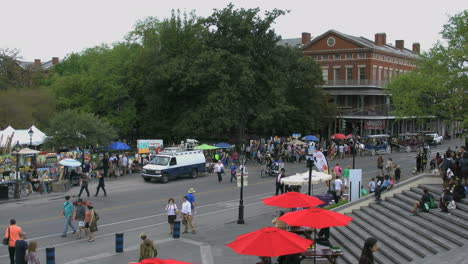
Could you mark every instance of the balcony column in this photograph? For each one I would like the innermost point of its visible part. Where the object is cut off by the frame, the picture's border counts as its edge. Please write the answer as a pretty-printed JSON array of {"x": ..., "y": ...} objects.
[{"x": 361, "y": 97}]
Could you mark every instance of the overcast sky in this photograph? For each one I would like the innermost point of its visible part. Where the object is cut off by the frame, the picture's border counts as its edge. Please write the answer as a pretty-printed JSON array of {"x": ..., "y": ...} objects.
[{"x": 49, "y": 28}]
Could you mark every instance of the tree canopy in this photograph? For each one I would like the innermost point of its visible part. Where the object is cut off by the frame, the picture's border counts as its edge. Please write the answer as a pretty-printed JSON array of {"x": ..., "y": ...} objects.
[
  {"x": 223, "y": 76},
  {"x": 74, "y": 128},
  {"x": 438, "y": 87}
]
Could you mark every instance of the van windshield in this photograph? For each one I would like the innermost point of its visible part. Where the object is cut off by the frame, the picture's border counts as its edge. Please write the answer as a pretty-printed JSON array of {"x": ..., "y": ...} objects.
[{"x": 159, "y": 160}]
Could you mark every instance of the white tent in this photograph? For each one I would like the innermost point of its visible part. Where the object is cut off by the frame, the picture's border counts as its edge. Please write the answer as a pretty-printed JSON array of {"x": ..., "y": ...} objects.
[
  {"x": 22, "y": 136},
  {"x": 303, "y": 178}
]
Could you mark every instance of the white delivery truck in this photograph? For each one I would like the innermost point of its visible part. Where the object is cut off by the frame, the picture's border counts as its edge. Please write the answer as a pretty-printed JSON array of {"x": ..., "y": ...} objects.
[{"x": 173, "y": 163}]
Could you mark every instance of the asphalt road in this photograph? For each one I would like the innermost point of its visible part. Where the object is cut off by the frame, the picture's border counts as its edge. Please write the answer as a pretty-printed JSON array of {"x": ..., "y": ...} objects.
[{"x": 134, "y": 206}]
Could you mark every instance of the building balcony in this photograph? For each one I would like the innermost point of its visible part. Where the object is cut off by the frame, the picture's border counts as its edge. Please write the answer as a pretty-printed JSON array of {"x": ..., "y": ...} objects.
[
  {"x": 354, "y": 83},
  {"x": 377, "y": 110}
]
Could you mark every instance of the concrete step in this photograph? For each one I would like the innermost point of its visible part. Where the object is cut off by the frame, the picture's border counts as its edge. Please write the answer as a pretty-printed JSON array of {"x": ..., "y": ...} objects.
[
  {"x": 396, "y": 244},
  {"x": 351, "y": 250},
  {"x": 417, "y": 196},
  {"x": 457, "y": 217},
  {"x": 348, "y": 257},
  {"x": 357, "y": 241},
  {"x": 407, "y": 239},
  {"x": 463, "y": 203},
  {"x": 428, "y": 226},
  {"x": 424, "y": 237},
  {"x": 442, "y": 223}
]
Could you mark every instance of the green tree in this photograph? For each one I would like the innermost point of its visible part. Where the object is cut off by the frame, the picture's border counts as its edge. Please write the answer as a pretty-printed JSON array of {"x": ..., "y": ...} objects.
[
  {"x": 438, "y": 86},
  {"x": 75, "y": 128}
]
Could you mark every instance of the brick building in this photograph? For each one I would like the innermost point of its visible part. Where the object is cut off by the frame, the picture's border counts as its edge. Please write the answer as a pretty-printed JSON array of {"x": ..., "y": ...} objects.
[{"x": 355, "y": 71}]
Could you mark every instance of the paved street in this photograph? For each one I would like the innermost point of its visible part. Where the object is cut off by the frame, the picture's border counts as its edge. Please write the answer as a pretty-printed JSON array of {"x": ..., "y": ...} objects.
[{"x": 134, "y": 206}]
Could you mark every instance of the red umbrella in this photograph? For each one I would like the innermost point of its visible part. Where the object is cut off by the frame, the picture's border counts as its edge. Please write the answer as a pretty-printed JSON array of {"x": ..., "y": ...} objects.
[
  {"x": 292, "y": 200},
  {"x": 315, "y": 218},
  {"x": 269, "y": 242},
  {"x": 338, "y": 136},
  {"x": 161, "y": 261},
  {"x": 349, "y": 136}
]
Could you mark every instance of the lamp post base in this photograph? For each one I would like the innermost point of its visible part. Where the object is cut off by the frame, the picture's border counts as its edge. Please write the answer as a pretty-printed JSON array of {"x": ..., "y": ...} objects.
[{"x": 241, "y": 221}]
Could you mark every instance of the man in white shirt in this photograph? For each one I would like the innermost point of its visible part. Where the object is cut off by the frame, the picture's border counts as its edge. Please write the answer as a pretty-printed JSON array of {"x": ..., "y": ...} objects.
[
  {"x": 124, "y": 165},
  {"x": 341, "y": 150},
  {"x": 219, "y": 169},
  {"x": 338, "y": 187},
  {"x": 187, "y": 215}
]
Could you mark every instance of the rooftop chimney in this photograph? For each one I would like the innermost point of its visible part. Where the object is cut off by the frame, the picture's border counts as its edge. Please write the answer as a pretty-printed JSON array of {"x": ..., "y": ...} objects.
[
  {"x": 37, "y": 62},
  {"x": 417, "y": 47},
  {"x": 400, "y": 44},
  {"x": 55, "y": 60},
  {"x": 380, "y": 39},
  {"x": 305, "y": 38}
]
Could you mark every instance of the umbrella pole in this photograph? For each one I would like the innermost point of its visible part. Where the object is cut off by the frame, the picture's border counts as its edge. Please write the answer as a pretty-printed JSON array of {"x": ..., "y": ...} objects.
[{"x": 315, "y": 243}]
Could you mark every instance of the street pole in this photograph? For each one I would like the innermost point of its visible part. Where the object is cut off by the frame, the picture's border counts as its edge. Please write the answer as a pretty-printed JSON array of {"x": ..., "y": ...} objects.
[
  {"x": 310, "y": 165},
  {"x": 17, "y": 196},
  {"x": 241, "y": 201}
]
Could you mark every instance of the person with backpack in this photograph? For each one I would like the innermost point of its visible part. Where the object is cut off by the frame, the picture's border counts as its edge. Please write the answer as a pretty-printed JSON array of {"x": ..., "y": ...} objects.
[
  {"x": 426, "y": 202},
  {"x": 67, "y": 212},
  {"x": 12, "y": 233}
]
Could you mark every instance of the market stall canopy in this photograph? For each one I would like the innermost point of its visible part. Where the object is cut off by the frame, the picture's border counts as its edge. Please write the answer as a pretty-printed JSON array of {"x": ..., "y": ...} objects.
[
  {"x": 315, "y": 218},
  {"x": 223, "y": 145},
  {"x": 205, "y": 147},
  {"x": 119, "y": 146},
  {"x": 296, "y": 142},
  {"x": 22, "y": 136},
  {"x": 70, "y": 163},
  {"x": 303, "y": 178},
  {"x": 28, "y": 151},
  {"x": 269, "y": 242},
  {"x": 310, "y": 138}
]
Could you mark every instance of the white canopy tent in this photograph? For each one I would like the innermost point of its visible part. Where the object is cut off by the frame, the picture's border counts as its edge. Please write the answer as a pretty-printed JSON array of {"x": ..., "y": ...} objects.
[
  {"x": 303, "y": 178},
  {"x": 22, "y": 136}
]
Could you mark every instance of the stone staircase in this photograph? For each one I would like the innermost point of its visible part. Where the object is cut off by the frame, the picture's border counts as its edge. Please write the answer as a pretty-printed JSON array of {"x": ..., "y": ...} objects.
[{"x": 403, "y": 238}]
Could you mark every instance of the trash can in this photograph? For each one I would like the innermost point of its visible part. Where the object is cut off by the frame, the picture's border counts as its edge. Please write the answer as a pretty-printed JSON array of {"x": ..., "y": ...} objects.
[
  {"x": 176, "y": 231},
  {"x": 4, "y": 191}
]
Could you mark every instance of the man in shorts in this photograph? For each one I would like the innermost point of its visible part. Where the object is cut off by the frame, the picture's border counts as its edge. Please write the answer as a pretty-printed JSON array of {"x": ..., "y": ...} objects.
[{"x": 80, "y": 214}]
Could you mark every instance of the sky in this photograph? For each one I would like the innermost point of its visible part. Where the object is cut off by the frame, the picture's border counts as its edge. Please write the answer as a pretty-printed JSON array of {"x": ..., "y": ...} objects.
[{"x": 54, "y": 28}]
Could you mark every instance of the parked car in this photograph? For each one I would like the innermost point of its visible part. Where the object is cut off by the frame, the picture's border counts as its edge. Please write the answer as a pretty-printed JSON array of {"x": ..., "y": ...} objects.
[{"x": 174, "y": 163}]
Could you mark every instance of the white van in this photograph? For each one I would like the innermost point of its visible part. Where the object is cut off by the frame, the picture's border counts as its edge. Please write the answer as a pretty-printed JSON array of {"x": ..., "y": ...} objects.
[{"x": 173, "y": 163}]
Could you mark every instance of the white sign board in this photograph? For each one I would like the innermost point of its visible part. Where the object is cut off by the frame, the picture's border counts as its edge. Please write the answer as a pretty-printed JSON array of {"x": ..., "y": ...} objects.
[
  {"x": 239, "y": 179},
  {"x": 355, "y": 181}
]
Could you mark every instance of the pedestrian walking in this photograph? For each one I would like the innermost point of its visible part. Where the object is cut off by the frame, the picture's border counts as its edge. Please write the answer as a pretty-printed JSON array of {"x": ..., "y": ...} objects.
[
  {"x": 338, "y": 170},
  {"x": 11, "y": 235},
  {"x": 187, "y": 215},
  {"x": 31, "y": 257},
  {"x": 389, "y": 168},
  {"x": 105, "y": 165},
  {"x": 219, "y": 169},
  {"x": 380, "y": 162},
  {"x": 84, "y": 179},
  {"x": 397, "y": 172},
  {"x": 367, "y": 255},
  {"x": 20, "y": 249},
  {"x": 67, "y": 213},
  {"x": 233, "y": 172},
  {"x": 147, "y": 248},
  {"x": 346, "y": 176},
  {"x": 91, "y": 221},
  {"x": 100, "y": 184},
  {"x": 338, "y": 188},
  {"x": 124, "y": 164},
  {"x": 341, "y": 150},
  {"x": 80, "y": 216},
  {"x": 171, "y": 209},
  {"x": 279, "y": 185}
]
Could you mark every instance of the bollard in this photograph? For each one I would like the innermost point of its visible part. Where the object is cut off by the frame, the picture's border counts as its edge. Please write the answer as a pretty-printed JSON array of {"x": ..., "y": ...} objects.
[
  {"x": 176, "y": 229},
  {"x": 119, "y": 242},
  {"x": 50, "y": 255}
]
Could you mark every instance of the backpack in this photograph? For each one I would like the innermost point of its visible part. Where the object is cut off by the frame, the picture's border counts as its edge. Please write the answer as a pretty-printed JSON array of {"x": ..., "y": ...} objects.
[
  {"x": 432, "y": 203},
  {"x": 96, "y": 216},
  {"x": 452, "y": 205}
]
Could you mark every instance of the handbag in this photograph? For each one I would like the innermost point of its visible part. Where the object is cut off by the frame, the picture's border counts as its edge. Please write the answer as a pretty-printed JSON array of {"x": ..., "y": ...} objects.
[{"x": 6, "y": 240}]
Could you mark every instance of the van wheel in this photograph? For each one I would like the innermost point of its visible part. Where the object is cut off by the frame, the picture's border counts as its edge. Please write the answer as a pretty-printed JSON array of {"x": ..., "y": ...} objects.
[
  {"x": 147, "y": 179},
  {"x": 164, "y": 178},
  {"x": 194, "y": 173}
]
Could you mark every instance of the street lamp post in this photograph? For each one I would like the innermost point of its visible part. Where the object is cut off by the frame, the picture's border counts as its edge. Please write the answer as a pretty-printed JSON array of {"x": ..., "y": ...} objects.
[
  {"x": 241, "y": 201},
  {"x": 30, "y": 133},
  {"x": 310, "y": 165},
  {"x": 17, "y": 149}
]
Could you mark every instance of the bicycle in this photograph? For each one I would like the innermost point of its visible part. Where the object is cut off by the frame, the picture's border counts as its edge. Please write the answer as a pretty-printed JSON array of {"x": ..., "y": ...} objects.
[
  {"x": 265, "y": 172},
  {"x": 23, "y": 189}
]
